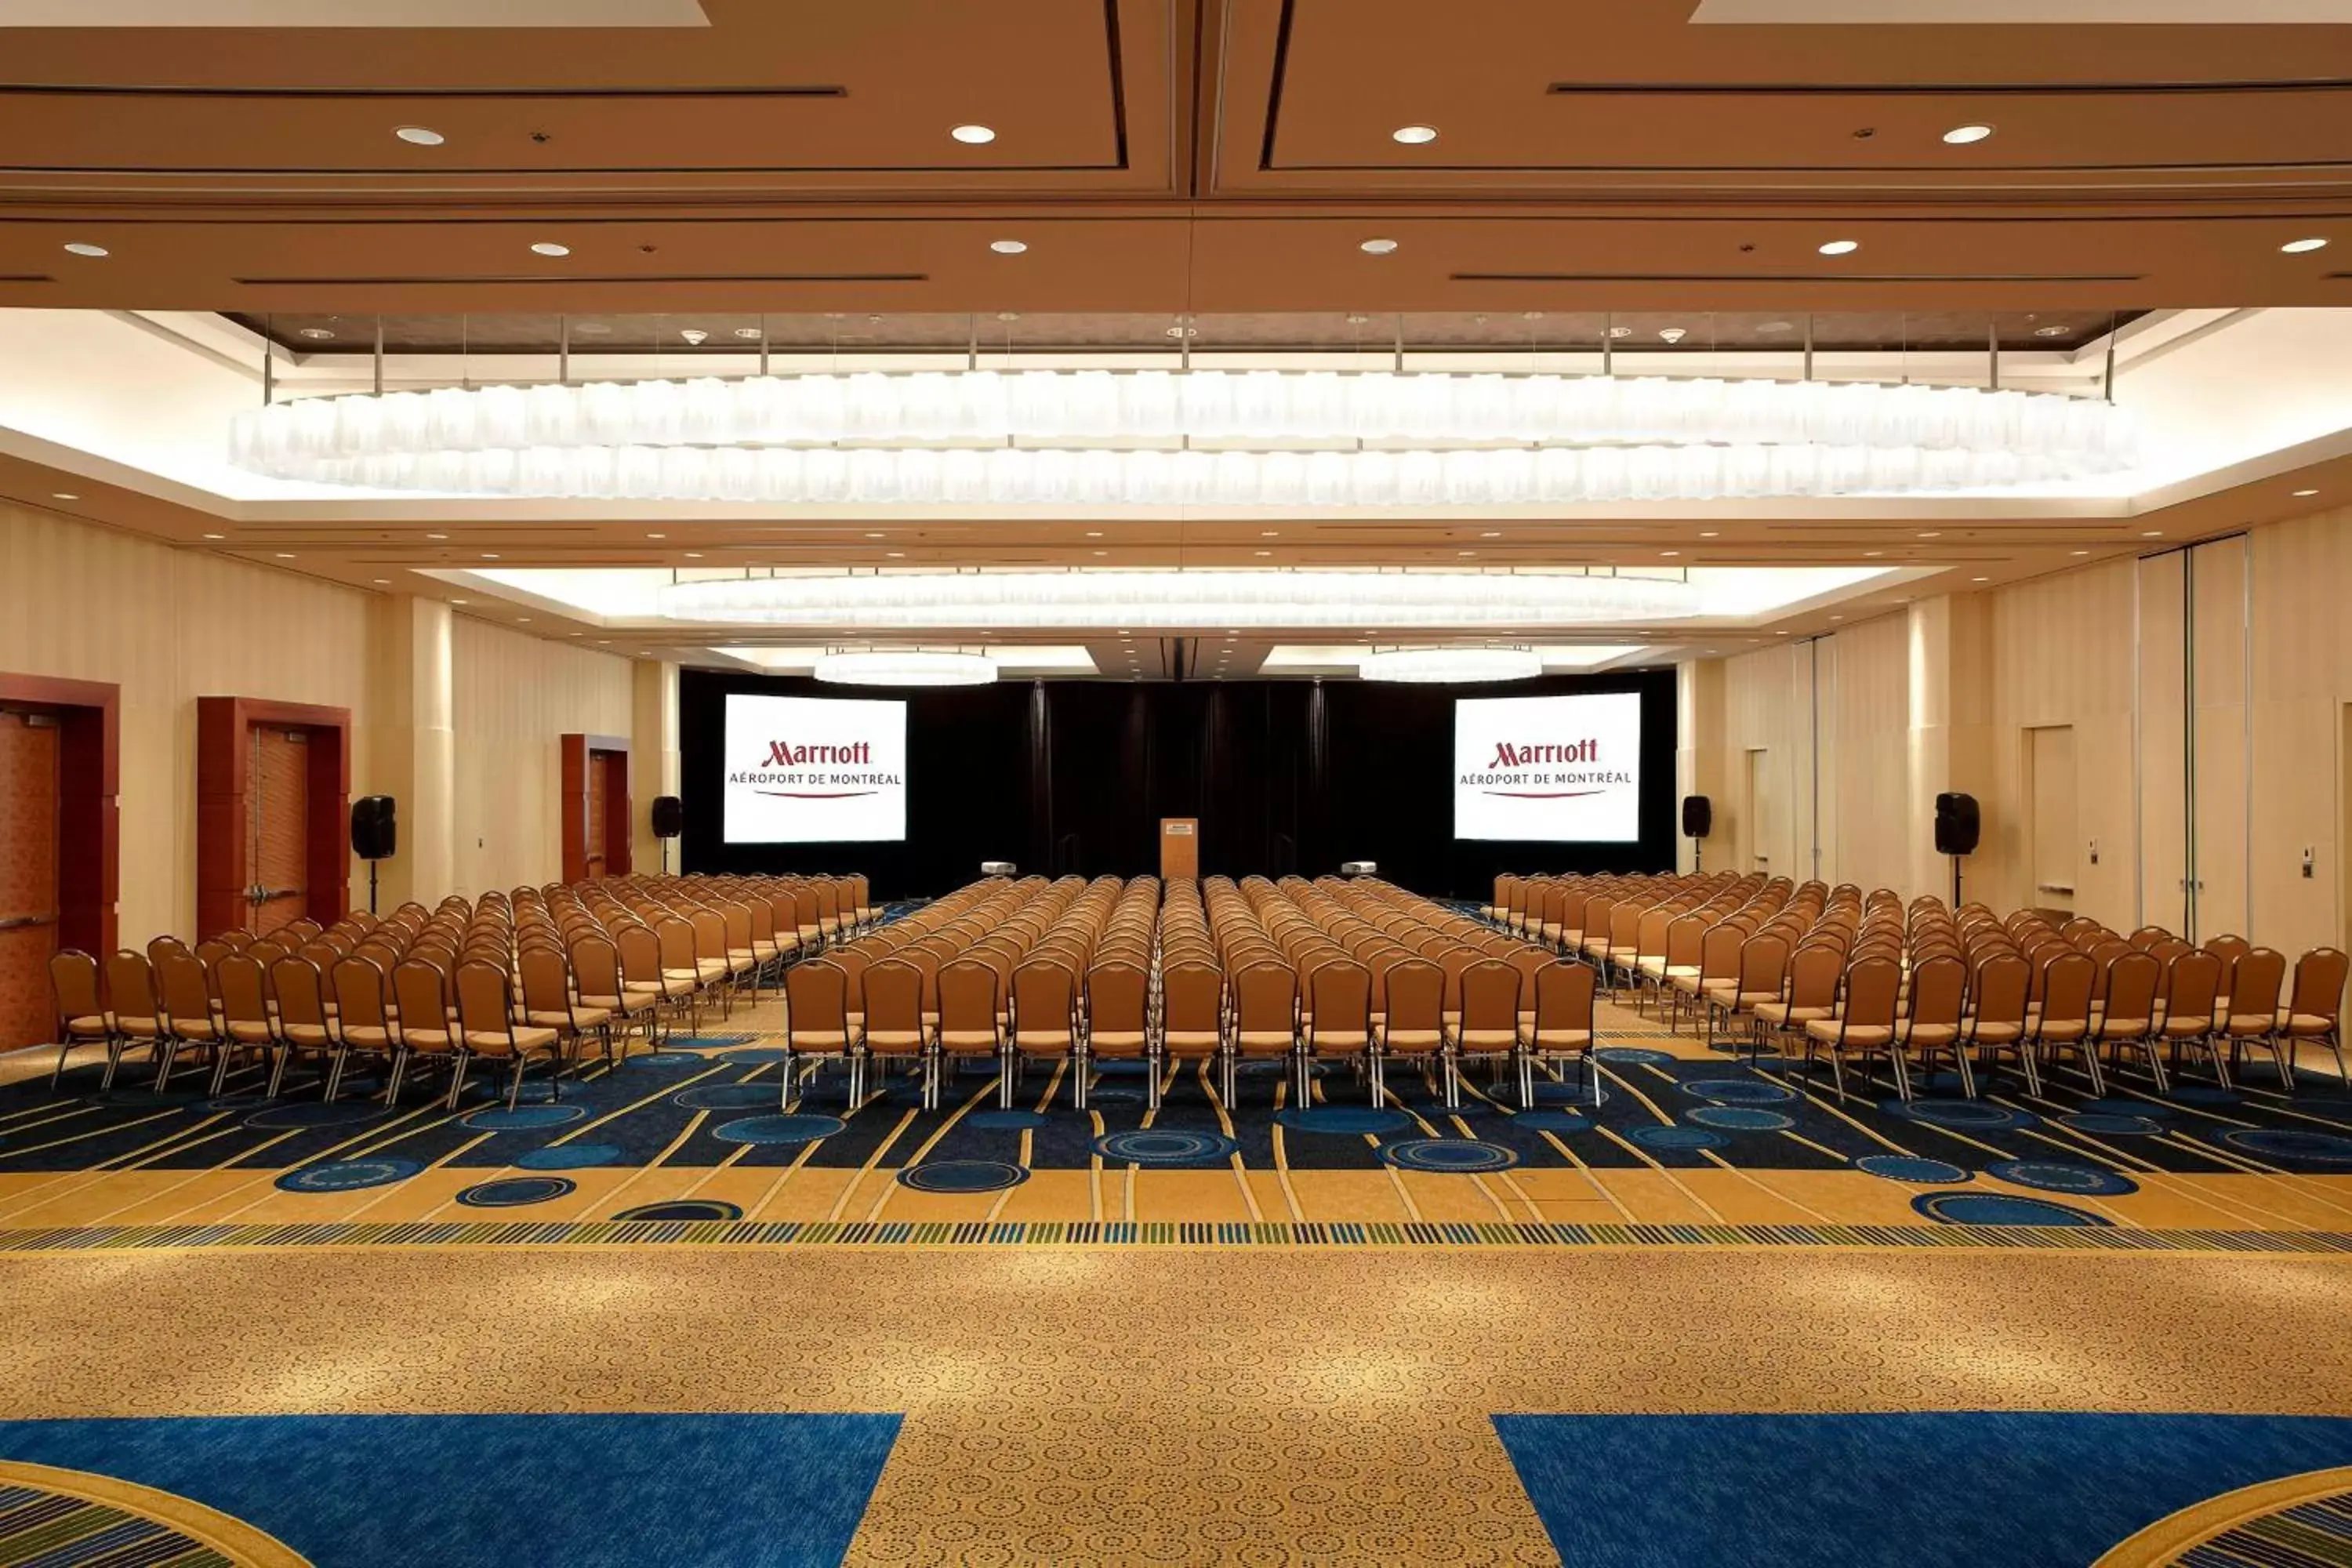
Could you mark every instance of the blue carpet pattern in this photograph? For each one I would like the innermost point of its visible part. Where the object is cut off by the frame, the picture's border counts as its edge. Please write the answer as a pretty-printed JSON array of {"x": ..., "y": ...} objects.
[
  {"x": 1943, "y": 1490},
  {"x": 501, "y": 1491}
]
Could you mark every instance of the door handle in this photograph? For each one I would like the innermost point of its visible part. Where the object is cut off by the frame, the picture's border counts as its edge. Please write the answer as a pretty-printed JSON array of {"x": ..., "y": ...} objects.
[
  {"x": 21, "y": 922},
  {"x": 260, "y": 895}
]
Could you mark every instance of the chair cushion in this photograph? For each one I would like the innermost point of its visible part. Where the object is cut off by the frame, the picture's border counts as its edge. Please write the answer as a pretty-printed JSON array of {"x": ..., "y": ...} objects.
[
  {"x": 427, "y": 1039},
  {"x": 313, "y": 1036},
  {"x": 2188, "y": 1024},
  {"x": 89, "y": 1023},
  {"x": 250, "y": 1034},
  {"x": 1484, "y": 1040},
  {"x": 2252, "y": 1024},
  {"x": 968, "y": 1039},
  {"x": 195, "y": 1029},
  {"x": 1862, "y": 1036},
  {"x": 2308, "y": 1024},
  {"x": 2124, "y": 1028},
  {"x": 1411, "y": 1039},
  {"x": 1043, "y": 1039},
  {"x": 1563, "y": 1039},
  {"x": 524, "y": 1040},
  {"x": 1190, "y": 1040},
  {"x": 894, "y": 1040},
  {"x": 1110, "y": 1041},
  {"x": 1995, "y": 1034},
  {"x": 142, "y": 1027},
  {"x": 367, "y": 1037},
  {"x": 1922, "y": 1036},
  {"x": 1277, "y": 1040}
]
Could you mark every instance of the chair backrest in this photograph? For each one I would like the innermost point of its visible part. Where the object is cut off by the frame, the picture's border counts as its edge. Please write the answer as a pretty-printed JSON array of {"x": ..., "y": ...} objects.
[
  {"x": 893, "y": 992},
  {"x": 1118, "y": 997},
  {"x": 187, "y": 998},
  {"x": 1341, "y": 992},
  {"x": 73, "y": 981},
  {"x": 546, "y": 979},
  {"x": 1416, "y": 996},
  {"x": 422, "y": 990},
  {"x": 485, "y": 1005},
  {"x": 2192, "y": 982},
  {"x": 131, "y": 985},
  {"x": 2229, "y": 949},
  {"x": 1045, "y": 997},
  {"x": 2066, "y": 982},
  {"x": 816, "y": 1002},
  {"x": 2255, "y": 981},
  {"x": 2000, "y": 986},
  {"x": 641, "y": 956},
  {"x": 1490, "y": 995},
  {"x": 1871, "y": 986},
  {"x": 2133, "y": 976},
  {"x": 1191, "y": 998},
  {"x": 244, "y": 990},
  {"x": 968, "y": 997},
  {"x": 596, "y": 965},
  {"x": 300, "y": 998},
  {"x": 1814, "y": 971},
  {"x": 1563, "y": 994},
  {"x": 1763, "y": 960},
  {"x": 2319, "y": 983},
  {"x": 358, "y": 993},
  {"x": 1937, "y": 988},
  {"x": 1266, "y": 998}
]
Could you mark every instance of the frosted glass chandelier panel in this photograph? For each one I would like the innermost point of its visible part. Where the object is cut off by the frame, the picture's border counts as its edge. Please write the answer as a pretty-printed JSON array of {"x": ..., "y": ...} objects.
[
  {"x": 1114, "y": 437},
  {"x": 1192, "y": 600}
]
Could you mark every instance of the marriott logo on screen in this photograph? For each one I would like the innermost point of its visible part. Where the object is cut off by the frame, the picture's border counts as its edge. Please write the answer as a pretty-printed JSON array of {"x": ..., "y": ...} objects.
[
  {"x": 1506, "y": 755},
  {"x": 786, "y": 764},
  {"x": 784, "y": 755},
  {"x": 1516, "y": 768}
]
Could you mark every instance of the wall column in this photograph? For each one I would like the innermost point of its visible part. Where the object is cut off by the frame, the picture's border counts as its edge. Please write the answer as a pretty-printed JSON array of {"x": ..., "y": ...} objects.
[
  {"x": 1951, "y": 734},
  {"x": 414, "y": 751},
  {"x": 1699, "y": 756},
  {"x": 654, "y": 768}
]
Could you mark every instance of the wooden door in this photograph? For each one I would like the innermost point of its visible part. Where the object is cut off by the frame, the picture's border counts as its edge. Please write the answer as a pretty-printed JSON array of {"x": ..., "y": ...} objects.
[
  {"x": 2220, "y": 834},
  {"x": 599, "y": 861},
  {"x": 2051, "y": 847},
  {"x": 280, "y": 840},
  {"x": 28, "y": 876}
]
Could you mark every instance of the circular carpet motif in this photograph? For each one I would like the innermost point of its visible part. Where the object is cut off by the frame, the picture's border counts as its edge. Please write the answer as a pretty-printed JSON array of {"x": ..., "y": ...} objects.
[
  {"x": 683, "y": 1208},
  {"x": 1911, "y": 1170},
  {"x": 1968, "y": 1115},
  {"x": 2288, "y": 1144},
  {"x": 1633, "y": 1055},
  {"x": 512, "y": 1192},
  {"x": 1460, "y": 1155},
  {"x": 1000, "y": 1120},
  {"x": 1160, "y": 1146},
  {"x": 778, "y": 1129},
  {"x": 569, "y": 1156},
  {"x": 710, "y": 1042},
  {"x": 502, "y": 1119},
  {"x": 1350, "y": 1120},
  {"x": 316, "y": 1113},
  {"x": 2295, "y": 1521},
  {"x": 725, "y": 1096},
  {"x": 1739, "y": 1117},
  {"x": 1677, "y": 1138},
  {"x": 962, "y": 1176},
  {"x": 347, "y": 1176},
  {"x": 1999, "y": 1208},
  {"x": 75, "y": 1515},
  {"x": 1562, "y": 1121},
  {"x": 2104, "y": 1124},
  {"x": 667, "y": 1059},
  {"x": 759, "y": 1055},
  {"x": 1739, "y": 1090},
  {"x": 2060, "y": 1176}
]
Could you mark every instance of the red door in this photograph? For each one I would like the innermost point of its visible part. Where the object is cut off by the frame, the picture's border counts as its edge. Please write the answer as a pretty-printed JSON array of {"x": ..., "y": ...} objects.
[
  {"x": 28, "y": 876},
  {"x": 280, "y": 839},
  {"x": 600, "y": 809}
]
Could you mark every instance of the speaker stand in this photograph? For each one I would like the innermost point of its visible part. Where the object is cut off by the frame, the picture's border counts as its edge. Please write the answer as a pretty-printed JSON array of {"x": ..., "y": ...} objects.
[{"x": 1956, "y": 884}]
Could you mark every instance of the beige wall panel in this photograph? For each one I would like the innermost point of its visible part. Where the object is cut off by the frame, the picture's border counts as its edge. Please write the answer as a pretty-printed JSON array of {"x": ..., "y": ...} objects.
[
  {"x": 2163, "y": 741},
  {"x": 513, "y": 696},
  {"x": 1867, "y": 836},
  {"x": 2301, "y": 681},
  {"x": 2219, "y": 735},
  {"x": 168, "y": 627}
]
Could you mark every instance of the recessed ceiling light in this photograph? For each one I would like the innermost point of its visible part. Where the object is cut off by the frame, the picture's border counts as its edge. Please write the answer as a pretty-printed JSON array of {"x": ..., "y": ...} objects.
[
  {"x": 1102, "y": 551},
  {"x": 436, "y": 536},
  {"x": 420, "y": 136},
  {"x": 1837, "y": 617},
  {"x": 63, "y": 495},
  {"x": 750, "y": 334},
  {"x": 1093, "y": 533},
  {"x": 590, "y": 329},
  {"x": 1377, "y": 246},
  {"x": 872, "y": 536},
  {"x": 1980, "y": 578},
  {"x": 2292, "y": 247},
  {"x": 1931, "y": 534},
  {"x": 974, "y": 135},
  {"x": 1777, "y": 327},
  {"x": 1619, "y": 332},
  {"x": 488, "y": 555},
  {"x": 1269, "y": 534},
  {"x": 895, "y": 554},
  {"x": 1670, "y": 553},
  {"x": 522, "y": 620},
  {"x": 694, "y": 556},
  {"x": 1465, "y": 552},
  {"x": 1709, "y": 533},
  {"x": 84, "y": 248},
  {"x": 2081, "y": 553},
  {"x": 657, "y": 536},
  {"x": 2302, "y": 495},
  {"x": 2054, "y": 331},
  {"x": 1265, "y": 552},
  {"x": 603, "y": 642},
  {"x": 549, "y": 247},
  {"x": 215, "y": 536},
  {"x": 382, "y": 582},
  {"x": 1962, "y": 135},
  {"x": 2153, "y": 533},
  {"x": 1415, "y": 135},
  {"x": 1872, "y": 554},
  {"x": 284, "y": 555},
  {"x": 1007, "y": 247},
  {"x": 316, "y": 334},
  {"x": 1841, "y": 248},
  {"x": 1491, "y": 533}
]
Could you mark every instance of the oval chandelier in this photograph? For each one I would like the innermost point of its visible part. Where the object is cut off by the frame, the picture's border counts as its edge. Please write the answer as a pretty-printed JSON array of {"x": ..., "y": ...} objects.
[
  {"x": 913, "y": 601},
  {"x": 905, "y": 666},
  {"x": 1433, "y": 665},
  {"x": 1176, "y": 437}
]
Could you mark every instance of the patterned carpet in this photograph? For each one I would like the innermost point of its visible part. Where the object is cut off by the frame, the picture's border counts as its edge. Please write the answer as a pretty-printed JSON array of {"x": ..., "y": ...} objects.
[{"x": 687, "y": 1145}]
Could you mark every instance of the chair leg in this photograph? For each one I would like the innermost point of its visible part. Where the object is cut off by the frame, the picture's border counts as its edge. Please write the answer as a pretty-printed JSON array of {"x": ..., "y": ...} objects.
[
  {"x": 792, "y": 1073},
  {"x": 1837, "y": 1072},
  {"x": 399, "y": 1071},
  {"x": 1967, "y": 1075},
  {"x": 1006, "y": 1059},
  {"x": 1452, "y": 1071},
  {"x": 220, "y": 1068},
  {"x": 457, "y": 1076},
  {"x": 2090, "y": 1060},
  {"x": 335, "y": 1073},
  {"x": 66, "y": 1045},
  {"x": 1378, "y": 1059},
  {"x": 167, "y": 1050},
  {"x": 1902, "y": 1074},
  {"x": 2156, "y": 1065},
  {"x": 1079, "y": 1072}
]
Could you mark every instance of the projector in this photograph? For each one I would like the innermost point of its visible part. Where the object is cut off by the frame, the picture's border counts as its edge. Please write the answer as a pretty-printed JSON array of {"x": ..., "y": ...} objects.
[
  {"x": 1358, "y": 868},
  {"x": 998, "y": 869}
]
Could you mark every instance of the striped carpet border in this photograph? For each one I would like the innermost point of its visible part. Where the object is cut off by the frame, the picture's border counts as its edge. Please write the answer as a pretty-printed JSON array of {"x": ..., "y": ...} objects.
[{"x": 1164, "y": 1232}]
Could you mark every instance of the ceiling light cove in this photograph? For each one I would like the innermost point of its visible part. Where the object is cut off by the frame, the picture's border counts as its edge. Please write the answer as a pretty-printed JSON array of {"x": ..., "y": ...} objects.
[
  {"x": 1256, "y": 599},
  {"x": 1962, "y": 135},
  {"x": 974, "y": 135},
  {"x": 909, "y": 667},
  {"x": 1315, "y": 438},
  {"x": 1840, "y": 246},
  {"x": 1377, "y": 246},
  {"x": 1008, "y": 246},
  {"x": 1430, "y": 666},
  {"x": 549, "y": 247},
  {"x": 84, "y": 248},
  {"x": 1415, "y": 135},
  {"x": 420, "y": 136},
  {"x": 2292, "y": 247}
]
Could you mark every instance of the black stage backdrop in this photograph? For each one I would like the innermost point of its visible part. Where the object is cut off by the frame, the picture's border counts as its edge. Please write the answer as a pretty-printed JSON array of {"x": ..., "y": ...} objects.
[{"x": 1075, "y": 775}]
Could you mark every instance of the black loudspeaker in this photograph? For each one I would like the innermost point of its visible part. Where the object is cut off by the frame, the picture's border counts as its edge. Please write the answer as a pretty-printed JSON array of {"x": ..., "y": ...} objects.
[
  {"x": 374, "y": 832},
  {"x": 669, "y": 816},
  {"x": 1956, "y": 824},
  {"x": 1698, "y": 816}
]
